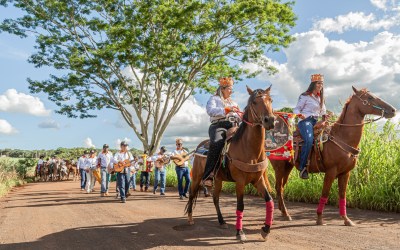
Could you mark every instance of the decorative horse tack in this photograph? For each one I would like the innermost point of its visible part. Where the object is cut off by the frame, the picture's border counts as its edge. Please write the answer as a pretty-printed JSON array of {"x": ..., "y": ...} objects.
[
  {"x": 253, "y": 146},
  {"x": 340, "y": 151}
]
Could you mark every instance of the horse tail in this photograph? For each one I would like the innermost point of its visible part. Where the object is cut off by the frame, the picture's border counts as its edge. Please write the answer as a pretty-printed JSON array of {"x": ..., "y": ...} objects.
[
  {"x": 266, "y": 180},
  {"x": 196, "y": 175},
  {"x": 191, "y": 204}
]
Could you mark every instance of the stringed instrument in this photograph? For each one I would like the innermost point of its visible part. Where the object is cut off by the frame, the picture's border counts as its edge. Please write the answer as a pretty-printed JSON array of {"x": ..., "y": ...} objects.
[
  {"x": 159, "y": 163},
  {"x": 180, "y": 159},
  {"x": 119, "y": 167}
]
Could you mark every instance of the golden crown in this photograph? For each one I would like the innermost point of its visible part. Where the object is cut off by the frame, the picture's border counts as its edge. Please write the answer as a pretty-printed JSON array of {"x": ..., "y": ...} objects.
[
  {"x": 317, "y": 78},
  {"x": 225, "y": 81}
]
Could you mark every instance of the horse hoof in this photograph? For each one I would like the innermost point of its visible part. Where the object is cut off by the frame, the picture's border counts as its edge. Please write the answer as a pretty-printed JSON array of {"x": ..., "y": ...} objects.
[
  {"x": 191, "y": 223},
  {"x": 320, "y": 222},
  {"x": 241, "y": 237},
  {"x": 265, "y": 232},
  {"x": 223, "y": 226},
  {"x": 287, "y": 217},
  {"x": 349, "y": 223}
]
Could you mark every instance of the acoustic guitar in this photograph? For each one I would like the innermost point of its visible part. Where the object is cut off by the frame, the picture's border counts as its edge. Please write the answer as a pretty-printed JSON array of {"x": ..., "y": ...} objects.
[
  {"x": 119, "y": 167},
  {"x": 180, "y": 159}
]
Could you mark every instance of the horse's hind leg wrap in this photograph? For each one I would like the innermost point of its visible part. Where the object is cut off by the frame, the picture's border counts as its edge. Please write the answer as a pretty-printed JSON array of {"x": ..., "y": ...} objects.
[
  {"x": 239, "y": 219},
  {"x": 342, "y": 207},
  {"x": 269, "y": 217},
  {"x": 321, "y": 205}
]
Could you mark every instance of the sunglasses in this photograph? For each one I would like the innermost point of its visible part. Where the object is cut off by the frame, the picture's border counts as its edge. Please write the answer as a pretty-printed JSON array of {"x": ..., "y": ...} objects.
[{"x": 178, "y": 144}]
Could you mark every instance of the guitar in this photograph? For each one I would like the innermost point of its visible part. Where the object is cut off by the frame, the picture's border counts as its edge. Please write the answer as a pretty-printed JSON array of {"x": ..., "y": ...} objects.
[
  {"x": 180, "y": 159},
  {"x": 119, "y": 167},
  {"x": 159, "y": 163}
]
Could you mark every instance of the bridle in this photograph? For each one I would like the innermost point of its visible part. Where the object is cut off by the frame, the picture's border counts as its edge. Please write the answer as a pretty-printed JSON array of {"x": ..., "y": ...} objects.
[
  {"x": 257, "y": 118},
  {"x": 366, "y": 103}
]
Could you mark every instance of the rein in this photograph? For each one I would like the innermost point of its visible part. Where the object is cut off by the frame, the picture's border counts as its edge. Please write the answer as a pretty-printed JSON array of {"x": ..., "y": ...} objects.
[
  {"x": 258, "y": 119},
  {"x": 364, "y": 102}
]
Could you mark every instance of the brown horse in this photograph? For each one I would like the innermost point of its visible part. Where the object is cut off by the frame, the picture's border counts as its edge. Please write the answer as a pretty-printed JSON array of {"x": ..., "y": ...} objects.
[
  {"x": 246, "y": 162},
  {"x": 339, "y": 155},
  {"x": 44, "y": 172},
  {"x": 72, "y": 169}
]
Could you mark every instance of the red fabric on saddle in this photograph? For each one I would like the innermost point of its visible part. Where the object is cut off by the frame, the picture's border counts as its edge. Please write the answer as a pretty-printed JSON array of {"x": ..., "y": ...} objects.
[{"x": 279, "y": 141}]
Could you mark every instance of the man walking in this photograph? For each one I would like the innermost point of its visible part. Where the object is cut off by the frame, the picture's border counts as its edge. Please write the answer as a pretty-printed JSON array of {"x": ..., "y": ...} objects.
[
  {"x": 182, "y": 169},
  {"x": 81, "y": 168},
  {"x": 105, "y": 158},
  {"x": 160, "y": 174},
  {"x": 122, "y": 178},
  {"x": 90, "y": 166}
]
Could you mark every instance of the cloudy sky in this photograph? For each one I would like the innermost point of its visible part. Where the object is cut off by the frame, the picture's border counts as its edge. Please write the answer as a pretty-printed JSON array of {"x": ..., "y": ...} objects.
[{"x": 351, "y": 42}]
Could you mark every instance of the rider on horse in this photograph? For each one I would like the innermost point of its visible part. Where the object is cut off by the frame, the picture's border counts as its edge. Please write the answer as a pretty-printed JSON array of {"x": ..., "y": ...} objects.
[
  {"x": 310, "y": 107},
  {"x": 223, "y": 116}
]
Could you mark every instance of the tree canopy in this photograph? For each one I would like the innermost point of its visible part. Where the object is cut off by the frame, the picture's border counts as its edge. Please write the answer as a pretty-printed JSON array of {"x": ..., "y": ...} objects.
[{"x": 145, "y": 58}]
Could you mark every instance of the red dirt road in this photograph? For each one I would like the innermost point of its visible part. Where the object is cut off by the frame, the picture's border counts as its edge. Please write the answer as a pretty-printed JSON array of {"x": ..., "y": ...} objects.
[{"x": 60, "y": 216}]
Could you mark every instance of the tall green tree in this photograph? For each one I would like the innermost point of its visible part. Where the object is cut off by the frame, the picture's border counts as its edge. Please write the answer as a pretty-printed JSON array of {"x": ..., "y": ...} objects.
[{"x": 144, "y": 58}]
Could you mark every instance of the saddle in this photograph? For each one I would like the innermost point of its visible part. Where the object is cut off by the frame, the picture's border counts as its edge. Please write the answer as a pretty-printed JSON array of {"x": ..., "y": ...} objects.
[
  {"x": 203, "y": 147},
  {"x": 321, "y": 135}
]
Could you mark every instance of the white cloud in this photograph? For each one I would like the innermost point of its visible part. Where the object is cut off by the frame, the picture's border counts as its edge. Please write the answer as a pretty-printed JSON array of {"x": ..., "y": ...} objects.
[
  {"x": 190, "y": 123},
  {"x": 374, "y": 65},
  {"x": 88, "y": 143},
  {"x": 49, "y": 124},
  {"x": 6, "y": 128},
  {"x": 356, "y": 20},
  {"x": 14, "y": 102},
  {"x": 385, "y": 4}
]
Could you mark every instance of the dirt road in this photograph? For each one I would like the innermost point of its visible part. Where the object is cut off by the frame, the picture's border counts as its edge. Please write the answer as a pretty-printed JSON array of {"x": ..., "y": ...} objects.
[{"x": 60, "y": 216}]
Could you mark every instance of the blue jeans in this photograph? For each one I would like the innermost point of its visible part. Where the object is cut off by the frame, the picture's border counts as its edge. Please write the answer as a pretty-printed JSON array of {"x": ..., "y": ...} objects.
[
  {"x": 306, "y": 128},
  {"x": 183, "y": 172},
  {"x": 105, "y": 180},
  {"x": 123, "y": 184},
  {"x": 144, "y": 179},
  {"x": 83, "y": 177},
  {"x": 133, "y": 181},
  {"x": 160, "y": 175}
]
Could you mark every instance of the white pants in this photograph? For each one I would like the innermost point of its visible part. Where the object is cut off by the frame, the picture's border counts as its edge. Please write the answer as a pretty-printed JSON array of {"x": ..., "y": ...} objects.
[{"x": 90, "y": 181}]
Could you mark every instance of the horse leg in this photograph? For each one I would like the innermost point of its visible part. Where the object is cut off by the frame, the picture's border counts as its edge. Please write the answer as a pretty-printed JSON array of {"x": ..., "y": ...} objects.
[
  {"x": 239, "y": 212},
  {"x": 269, "y": 207},
  {"x": 282, "y": 172},
  {"x": 328, "y": 180},
  {"x": 216, "y": 192},
  {"x": 193, "y": 194},
  {"x": 343, "y": 179}
]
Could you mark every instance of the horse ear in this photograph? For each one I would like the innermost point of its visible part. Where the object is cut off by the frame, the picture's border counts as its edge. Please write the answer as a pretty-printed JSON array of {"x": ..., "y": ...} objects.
[
  {"x": 249, "y": 90},
  {"x": 354, "y": 89},
  {"x": 268, "y": 89}
]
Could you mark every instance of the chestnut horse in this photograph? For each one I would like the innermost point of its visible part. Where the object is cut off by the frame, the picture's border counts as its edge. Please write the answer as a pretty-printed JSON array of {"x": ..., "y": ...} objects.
[
  {"x": 245, "y": 154},
  {"x": 339, "y": 155}
]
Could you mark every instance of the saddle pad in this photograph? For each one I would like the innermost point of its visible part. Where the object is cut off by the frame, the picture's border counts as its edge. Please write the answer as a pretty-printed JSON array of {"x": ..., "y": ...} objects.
[{"x": 279, "y": 141}]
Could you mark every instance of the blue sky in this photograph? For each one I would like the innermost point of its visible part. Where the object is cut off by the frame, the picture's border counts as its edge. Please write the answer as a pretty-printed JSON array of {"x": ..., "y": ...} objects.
[{"x": 351, "y": 42}]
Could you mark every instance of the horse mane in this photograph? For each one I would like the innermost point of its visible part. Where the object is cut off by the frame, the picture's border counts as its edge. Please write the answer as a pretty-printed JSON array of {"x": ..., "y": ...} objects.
[
  {"x": 243, "y": 125},
  {"x": 344, "y": 110}
]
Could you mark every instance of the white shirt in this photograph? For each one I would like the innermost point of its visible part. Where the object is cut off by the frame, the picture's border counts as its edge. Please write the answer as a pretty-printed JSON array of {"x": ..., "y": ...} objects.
[
  {"x": 105, "y": 159},
  {"x": 121, "y": 157},
  {"x": 308, "y": 105},
  {"x": 216, "y": 108},
  {"x": 90, "y": 163},
  {"x": 40, "y": 162},
  {"x": 81, "y": 163},
  {"x": 178, "y": 152}
]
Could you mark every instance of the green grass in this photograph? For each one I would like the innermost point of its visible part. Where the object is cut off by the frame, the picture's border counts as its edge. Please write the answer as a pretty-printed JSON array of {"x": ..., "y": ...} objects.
[{"x": 8, "y": 175}]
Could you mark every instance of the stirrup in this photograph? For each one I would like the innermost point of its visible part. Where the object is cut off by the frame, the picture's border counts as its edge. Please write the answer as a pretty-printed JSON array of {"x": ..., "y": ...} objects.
[{"x": 304, "y": 174}]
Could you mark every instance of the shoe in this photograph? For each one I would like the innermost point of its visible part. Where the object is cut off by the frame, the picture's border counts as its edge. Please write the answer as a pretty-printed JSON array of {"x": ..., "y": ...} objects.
[
  {"x": 146, "y": 189},
  {"x": 162, "y": 194},
  {"x": 106, "y": 194},
  {"x": 207, "y": 195},
  {"x": 141, "y": 189},
  {"x": 154, "y": 191},
  {"x": 123, "y": 200},
  {"x": 82, "y": 189},
  {"x": 304, "y": 173},
  {"x": 185, "y": 195},
  {"x": 102, "y": 194},
  {"x": 181, "y": 197},
  {"x": 88, "y": 192},
  {"x": 207, "y": 183}
]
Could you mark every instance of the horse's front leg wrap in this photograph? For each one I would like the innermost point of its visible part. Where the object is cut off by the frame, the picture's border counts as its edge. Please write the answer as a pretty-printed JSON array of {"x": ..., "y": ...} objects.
[
  {"x": 269, "y": 216},
  {"x": 342, "y": 207},
  {"x": 239, "y": 218},
  {"x": 321, "y": 205}
]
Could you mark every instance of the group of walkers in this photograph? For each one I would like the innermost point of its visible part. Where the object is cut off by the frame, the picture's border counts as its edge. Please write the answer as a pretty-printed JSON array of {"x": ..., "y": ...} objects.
[{"x": 126, "y": 166}]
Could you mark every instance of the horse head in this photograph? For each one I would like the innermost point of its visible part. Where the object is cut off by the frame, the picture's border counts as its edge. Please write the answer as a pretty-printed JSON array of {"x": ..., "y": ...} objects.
[
  {"x": 373, "y": 105},
  {"x": 260, "y": 107}
]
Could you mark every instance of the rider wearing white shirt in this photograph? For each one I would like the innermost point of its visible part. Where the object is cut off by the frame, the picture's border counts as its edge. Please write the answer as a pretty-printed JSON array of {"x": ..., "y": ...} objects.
[{"x": 105, "y": 159}]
